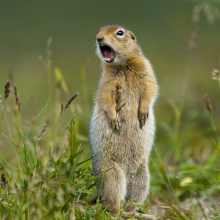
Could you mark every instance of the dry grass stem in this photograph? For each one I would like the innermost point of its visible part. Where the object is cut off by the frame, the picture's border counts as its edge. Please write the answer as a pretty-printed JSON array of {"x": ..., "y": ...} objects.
[
  {"x": 71, "y": 99},
  {"x": 17, "y": 98},
  {"x": 118, "y": 109},
  {"x": 40, "y": 134},
  {"x": 208, "y": 103},
  {"x": 61, "y": 108},
  {"x": 7, "y": 89}
]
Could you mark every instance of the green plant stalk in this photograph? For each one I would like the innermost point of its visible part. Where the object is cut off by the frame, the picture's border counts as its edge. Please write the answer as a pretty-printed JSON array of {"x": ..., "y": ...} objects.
[
  {"x": 3, "y": 107},
  {"x": 18, "y": 118},
  {"x": 8, "y": 125},
  {"x": 14, "y": 145},
  {"x": 182, "y": 215},
  {"x": 19, "y": 121},
  {"x": 178, "y": 109},
  {"x": 192, "y": 204},
  {"x": 7, "y": 196},
  {"x": 53, "y": 132},
  {"x": 2, "y": 158},
  {"x": 12, "y": 141},
  {"x": 27, "y": 209},
  {"x": 175, "y": 137},
  {"x": 74, "y": 167},
  {"x": 106, "y": 157},
  {"x": 169, "y": 185},
  {"x": 48, "y": 63},
  {"x": 73, "y": 140},
  {"x": 36, "y": 159},
  {"x": 215, "y": 130},
  {"x": 36, "y": 120},
  {"x": 42, "y": 120}
]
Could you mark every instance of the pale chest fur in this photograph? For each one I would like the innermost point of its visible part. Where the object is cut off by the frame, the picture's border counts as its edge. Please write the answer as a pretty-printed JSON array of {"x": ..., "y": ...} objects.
[{"x": 125, "y": 90}]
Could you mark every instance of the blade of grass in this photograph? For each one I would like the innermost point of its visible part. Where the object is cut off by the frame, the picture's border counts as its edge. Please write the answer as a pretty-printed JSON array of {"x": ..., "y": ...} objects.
[
  {"x": 74, "y": 167},
  {"x": 2, "y": 106}
]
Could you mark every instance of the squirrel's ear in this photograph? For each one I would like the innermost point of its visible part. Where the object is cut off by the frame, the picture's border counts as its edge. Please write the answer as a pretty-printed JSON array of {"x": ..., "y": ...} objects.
[{"x": 132, "y": 36}]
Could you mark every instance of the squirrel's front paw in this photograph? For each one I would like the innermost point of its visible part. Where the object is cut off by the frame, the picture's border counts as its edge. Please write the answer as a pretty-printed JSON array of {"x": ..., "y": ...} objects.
[
  {"x": 142, "y": 117},
  {"x": 116, "y": 123}
]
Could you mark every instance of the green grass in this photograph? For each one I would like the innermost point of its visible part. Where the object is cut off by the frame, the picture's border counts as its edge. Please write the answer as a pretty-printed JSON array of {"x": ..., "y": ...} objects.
[{"x": 49, "y": 175}]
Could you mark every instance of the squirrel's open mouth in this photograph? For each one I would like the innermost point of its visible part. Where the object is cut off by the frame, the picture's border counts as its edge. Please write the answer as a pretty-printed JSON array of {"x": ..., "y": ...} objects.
[{"x": 107, "y": 52}]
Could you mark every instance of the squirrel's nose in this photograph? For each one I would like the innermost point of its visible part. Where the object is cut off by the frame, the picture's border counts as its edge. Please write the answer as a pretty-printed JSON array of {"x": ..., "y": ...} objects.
[{"x": 99, "y": 39}]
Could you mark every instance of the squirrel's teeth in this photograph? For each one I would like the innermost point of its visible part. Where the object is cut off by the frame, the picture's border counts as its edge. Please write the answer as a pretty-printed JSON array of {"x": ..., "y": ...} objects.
[{"x": 107, "y": 59}]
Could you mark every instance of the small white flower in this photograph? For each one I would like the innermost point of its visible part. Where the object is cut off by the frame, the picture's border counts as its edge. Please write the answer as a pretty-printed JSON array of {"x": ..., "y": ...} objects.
[{"x": 185, "y": 181}]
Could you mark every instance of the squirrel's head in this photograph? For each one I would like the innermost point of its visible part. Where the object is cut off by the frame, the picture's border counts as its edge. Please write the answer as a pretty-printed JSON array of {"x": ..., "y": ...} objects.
[{"x": 115, "y": 45}]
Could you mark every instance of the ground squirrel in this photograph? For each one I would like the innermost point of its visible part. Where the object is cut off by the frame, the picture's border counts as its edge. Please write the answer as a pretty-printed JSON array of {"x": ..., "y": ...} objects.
[{"x": 127, "y": 80}]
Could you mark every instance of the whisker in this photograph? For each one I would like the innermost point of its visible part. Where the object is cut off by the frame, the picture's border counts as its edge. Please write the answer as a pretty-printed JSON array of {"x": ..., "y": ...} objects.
[{"x": 91, "y": 53}]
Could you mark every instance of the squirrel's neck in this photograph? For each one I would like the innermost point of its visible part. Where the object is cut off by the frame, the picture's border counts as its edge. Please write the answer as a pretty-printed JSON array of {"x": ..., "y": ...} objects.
[{"x": 134, "y": 65}]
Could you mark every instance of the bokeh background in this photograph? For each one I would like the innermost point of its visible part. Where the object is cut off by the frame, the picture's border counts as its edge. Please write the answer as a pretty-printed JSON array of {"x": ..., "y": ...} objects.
[{"x": 180, "y": 38}]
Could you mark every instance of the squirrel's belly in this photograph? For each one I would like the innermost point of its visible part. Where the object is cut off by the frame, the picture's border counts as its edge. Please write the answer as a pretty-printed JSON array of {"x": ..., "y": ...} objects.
[{"x": 130, "y": 143}]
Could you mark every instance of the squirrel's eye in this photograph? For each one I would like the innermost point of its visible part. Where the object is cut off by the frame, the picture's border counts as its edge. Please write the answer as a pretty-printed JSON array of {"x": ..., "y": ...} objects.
[{"x": 120, "y": 33}]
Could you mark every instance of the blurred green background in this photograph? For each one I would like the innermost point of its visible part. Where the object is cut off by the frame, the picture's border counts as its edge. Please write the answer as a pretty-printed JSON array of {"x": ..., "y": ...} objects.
[{"x": 163, "y": 30}]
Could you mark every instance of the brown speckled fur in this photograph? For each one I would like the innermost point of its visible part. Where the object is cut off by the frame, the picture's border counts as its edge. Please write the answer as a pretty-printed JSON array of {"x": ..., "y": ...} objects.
[{"x": 128, "y": 79}]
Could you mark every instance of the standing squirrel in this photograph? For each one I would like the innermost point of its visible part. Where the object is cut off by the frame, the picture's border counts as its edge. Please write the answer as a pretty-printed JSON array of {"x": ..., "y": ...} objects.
[{"x": 125, "y": 97}]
